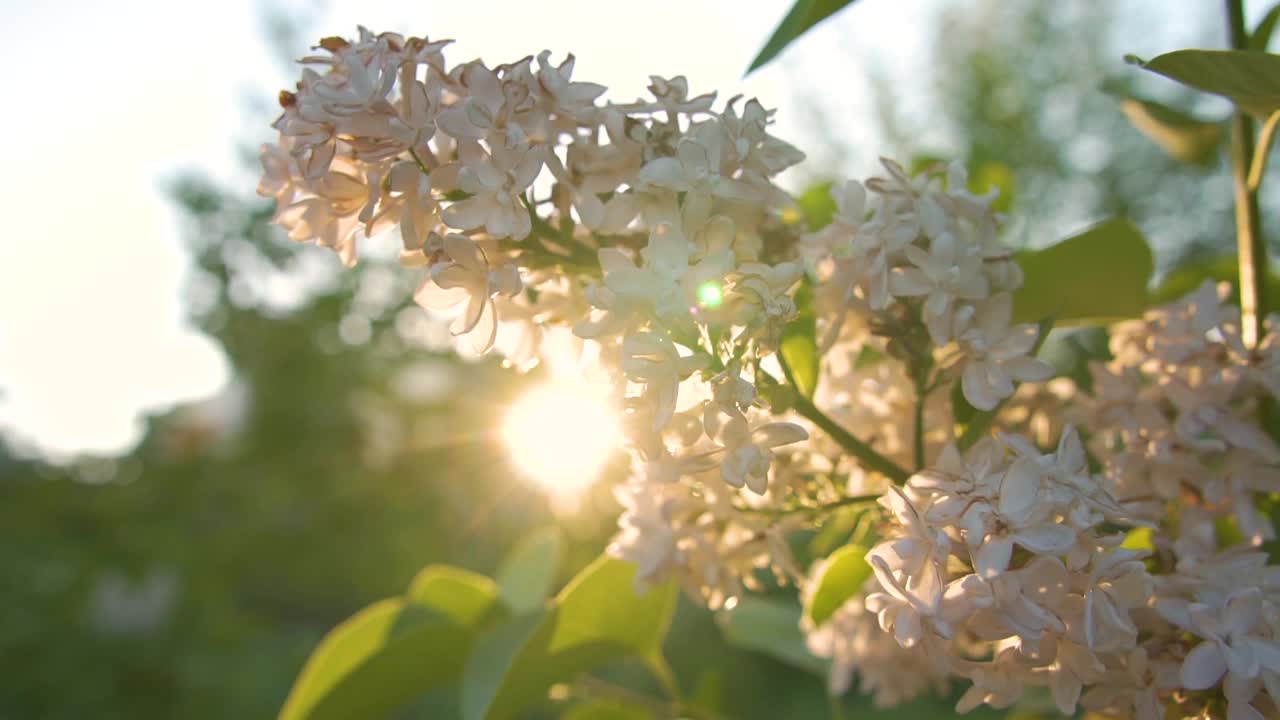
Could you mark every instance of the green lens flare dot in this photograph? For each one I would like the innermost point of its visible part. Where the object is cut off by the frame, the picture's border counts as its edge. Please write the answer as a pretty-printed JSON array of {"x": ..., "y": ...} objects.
[{"x": 709, "y": 295}]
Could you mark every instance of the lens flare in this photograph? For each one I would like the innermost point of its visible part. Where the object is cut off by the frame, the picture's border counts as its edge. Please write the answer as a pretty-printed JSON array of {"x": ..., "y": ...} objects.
[
  {"x": 710, "y": 295},
  {"x": 561, "y": 435}
]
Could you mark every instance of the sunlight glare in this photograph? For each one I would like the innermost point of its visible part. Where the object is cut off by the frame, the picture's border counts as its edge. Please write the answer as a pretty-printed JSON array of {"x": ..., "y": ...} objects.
[{"x": 561, "y": 435}]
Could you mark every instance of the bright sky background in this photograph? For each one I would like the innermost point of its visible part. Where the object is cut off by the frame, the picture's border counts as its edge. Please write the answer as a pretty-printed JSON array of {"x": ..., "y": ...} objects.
[{"x": 108, "y": 99}]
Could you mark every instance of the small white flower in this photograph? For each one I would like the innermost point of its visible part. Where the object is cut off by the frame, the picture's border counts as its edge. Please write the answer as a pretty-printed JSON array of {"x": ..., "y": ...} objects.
[
  {"x": 945, "y": 273},
  {"x": 996, "y": 354},
  {"x": 748, "y": 452},
  {"x": 1231, "y": 643},
  {"x": 467, "y": 276},
  {"x": 495, "y": 181}
]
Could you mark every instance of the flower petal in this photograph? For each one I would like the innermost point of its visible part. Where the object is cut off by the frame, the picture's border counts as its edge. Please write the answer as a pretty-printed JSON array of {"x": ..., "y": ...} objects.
[
  {"x": 1203, "y": 667},
  {"x": 993, "y": 557},
  {"x": 1019, "y": 489}
]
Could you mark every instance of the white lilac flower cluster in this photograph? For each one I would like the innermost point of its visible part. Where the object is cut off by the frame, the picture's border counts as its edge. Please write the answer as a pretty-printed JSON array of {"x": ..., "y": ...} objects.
[{"x": 653, "y": 235}]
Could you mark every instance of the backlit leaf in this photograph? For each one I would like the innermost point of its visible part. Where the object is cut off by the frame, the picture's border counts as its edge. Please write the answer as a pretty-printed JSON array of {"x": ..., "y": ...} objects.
[
  {"x": 802, "y": 16},
  {"x": 771, "y": 626},
  {"x": 1184, "y": 137},
  {"x": 1099, "y": 275},
  {"x": 1249, "y": 78},
  {"x": 798, "y": 349},
  {"x": 393, "y": 651},
  {"x": 597, "y": 618},
  {"x": 843, "y": 576},
  {"x": 528, "y": 572}
]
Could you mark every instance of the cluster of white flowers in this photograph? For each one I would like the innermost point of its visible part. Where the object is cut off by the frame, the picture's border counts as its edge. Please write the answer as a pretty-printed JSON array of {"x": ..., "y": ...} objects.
[
  {"x": 1003, "y": 554},
  {"x": 654, "y": 233},
  {"x": 1139, "y": 589}
]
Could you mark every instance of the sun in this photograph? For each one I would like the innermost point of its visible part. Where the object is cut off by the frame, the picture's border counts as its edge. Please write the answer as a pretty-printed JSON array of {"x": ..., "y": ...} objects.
[{"x": 561, "y": 435}]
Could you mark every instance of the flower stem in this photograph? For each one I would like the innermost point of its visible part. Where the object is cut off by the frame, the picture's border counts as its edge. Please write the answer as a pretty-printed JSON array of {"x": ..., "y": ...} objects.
[
  {"x": 1265, "y": 138},
  {"x": 1250, "y": 248},
  {"x": 869, "y": 457},
  {"x": 422, "y": 167},
  {"x": 813, "y": 510},
  {"x": 918, "y": 439}
]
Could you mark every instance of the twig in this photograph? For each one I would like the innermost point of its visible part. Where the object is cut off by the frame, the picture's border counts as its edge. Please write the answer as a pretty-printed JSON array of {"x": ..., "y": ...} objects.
[
  {"x": 813, "y": 509},
  {"x": 1258, "y": 167},
  {"x": 1250, "y": 248},
  {"x": 864, "y": 452}
]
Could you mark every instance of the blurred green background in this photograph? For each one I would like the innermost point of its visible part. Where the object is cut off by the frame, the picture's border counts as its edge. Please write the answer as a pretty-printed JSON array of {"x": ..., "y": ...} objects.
[{"x": 191, "y": 576}]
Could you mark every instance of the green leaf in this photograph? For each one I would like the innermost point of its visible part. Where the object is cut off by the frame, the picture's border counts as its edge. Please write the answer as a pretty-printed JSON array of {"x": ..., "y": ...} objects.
[
  {"x": 709, "y": 692},
  {"x": 798, "y": 349},
  {"x": 1139, "y": 539},
  {"x": 802, "y": 16},
  {"x": 1227, "y": 531},
  {"x": 1184, "y": 137},
  {"x": 1249, "y": 78},
  {"x": 600, "y": 605},
  {"x": 842, "y": 577},
  {"x": 596, "y": 619},
  {"x": 1184, "y": 280},
  {"x": 868, "y": 356},
  {"x": 997, "y": 175},
  {"x": 606, "y": 709},
  {"x": 496, "y": 665},
  {"x": 529, "y": 570},
  {"x": 1071, "y": 350},
  {"x": 835, "y": 531},
  {"x": 461, "y": 595},
  {"x": 393, "y": 651},
  {"x": 771, "y": 626},
  {"x": 926, "y": 163},
  {"x": 962, "y": 413},
  {"x": 816, "y": 206},
  {"x": 1099, "y": 275},
  {"x": 780, "y": 396},
  {"x": 1261, "y": 35}
]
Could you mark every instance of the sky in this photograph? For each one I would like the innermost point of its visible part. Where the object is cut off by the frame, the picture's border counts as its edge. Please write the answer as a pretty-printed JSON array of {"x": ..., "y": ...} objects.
[{"x": 110, "y": 100}]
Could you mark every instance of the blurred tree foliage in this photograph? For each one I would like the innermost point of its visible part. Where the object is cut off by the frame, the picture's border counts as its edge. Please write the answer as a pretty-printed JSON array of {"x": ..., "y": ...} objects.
[
  {"x": 242, "y": 528},
  {"x": 1030, "y": 97}
]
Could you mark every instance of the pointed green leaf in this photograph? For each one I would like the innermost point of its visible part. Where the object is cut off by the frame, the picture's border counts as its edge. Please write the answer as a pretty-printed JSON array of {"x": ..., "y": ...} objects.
[
  {"x": 1249, "y": 78},
  {"x": 843, "y": 576},
  {"x": 770, "y": 626},
  {"x": 802, "y": 16},
  {"x": 1184, "y": 137},
  {"x": 596, "y": 619},
  {"x": 393, "y": 651},
  {"x": 529, "y": 570},
  {"x": 798, "y": 350},
  {"x": 1261, "y": 35},
  {"x": 1099, "y": 275},
  {"x": 835, "y": 531}
]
